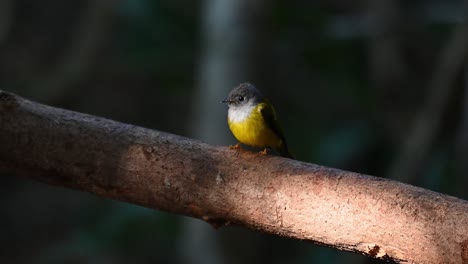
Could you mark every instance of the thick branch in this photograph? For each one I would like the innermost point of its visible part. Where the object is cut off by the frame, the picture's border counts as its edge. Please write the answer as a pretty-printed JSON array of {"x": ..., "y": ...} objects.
[{"x": 345, "y": 210}]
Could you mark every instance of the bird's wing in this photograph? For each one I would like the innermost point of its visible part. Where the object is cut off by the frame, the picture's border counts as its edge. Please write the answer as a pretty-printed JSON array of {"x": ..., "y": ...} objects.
[{"x": 269, "y": 115}]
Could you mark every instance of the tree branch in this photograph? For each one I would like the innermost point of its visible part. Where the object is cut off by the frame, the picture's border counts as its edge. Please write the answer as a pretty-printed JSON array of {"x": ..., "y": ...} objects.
[{"x": 344, "y": 210}]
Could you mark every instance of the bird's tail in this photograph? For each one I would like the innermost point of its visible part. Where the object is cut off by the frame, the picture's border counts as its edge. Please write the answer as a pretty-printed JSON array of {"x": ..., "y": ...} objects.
[{"x": 284, "y": 151}]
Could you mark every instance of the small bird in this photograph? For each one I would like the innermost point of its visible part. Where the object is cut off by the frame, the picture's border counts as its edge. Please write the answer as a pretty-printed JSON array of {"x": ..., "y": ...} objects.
[{"x": 252, "y": 120}]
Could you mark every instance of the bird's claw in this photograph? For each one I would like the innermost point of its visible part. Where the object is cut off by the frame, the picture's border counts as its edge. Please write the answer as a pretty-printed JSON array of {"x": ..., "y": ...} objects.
[{"x": 235, "y": 147}]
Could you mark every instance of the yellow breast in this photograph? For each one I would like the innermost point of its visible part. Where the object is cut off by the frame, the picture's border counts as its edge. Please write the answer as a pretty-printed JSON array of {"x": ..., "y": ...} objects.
[{"x": 249, "y": 127}]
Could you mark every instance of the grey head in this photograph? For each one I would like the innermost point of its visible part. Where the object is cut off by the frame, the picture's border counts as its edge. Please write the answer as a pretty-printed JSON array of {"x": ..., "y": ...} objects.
[{"x": 243, "y": 94}]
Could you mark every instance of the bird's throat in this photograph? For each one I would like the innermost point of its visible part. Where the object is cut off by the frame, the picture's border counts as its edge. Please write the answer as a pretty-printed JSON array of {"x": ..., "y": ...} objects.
[{"x": 240, "y": 113}]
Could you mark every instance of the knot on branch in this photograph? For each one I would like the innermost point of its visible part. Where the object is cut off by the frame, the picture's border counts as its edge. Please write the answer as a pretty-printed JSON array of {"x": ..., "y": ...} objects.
[
  {"x": 464, "y": 251},
  {"x": 7, "y": 101},
  {"x": 374, "y": 251}
]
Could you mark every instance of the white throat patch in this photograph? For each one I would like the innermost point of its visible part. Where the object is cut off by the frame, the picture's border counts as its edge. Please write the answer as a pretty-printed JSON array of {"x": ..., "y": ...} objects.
[{"x": 238, "y": 114}]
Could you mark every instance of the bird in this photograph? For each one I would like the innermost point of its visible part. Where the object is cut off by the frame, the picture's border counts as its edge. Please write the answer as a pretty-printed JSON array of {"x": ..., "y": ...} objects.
[{"x": 253, "y": 122}]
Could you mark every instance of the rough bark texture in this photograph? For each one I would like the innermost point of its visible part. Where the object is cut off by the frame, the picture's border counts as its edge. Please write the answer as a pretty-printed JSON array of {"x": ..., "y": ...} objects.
[{"x": 345, "y": 210}]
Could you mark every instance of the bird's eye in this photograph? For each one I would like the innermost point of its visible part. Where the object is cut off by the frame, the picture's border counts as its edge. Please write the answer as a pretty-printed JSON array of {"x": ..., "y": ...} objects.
[{"x": 240, "y": 98}]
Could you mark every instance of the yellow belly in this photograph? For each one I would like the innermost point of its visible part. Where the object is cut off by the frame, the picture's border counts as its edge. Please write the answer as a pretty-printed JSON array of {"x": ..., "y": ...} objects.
[{"x": 254, "y": 132}]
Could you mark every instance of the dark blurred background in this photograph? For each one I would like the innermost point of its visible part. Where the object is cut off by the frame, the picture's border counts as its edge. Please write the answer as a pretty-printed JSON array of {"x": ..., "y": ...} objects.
[{"x": 376, "y": 87}]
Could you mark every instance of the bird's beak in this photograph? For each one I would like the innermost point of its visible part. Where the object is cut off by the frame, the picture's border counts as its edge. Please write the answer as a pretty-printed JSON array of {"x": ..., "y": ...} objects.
[{"x": 225, "y": 101}]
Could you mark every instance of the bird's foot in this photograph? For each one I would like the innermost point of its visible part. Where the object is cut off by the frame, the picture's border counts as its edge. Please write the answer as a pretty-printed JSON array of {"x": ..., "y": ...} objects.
[
  {"x": 264, "y": 152},
  {"x": 236, "y": 148}
]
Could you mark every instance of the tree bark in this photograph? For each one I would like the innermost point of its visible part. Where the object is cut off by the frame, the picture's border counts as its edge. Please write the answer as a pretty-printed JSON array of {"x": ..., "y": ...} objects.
[{"x": 349, "y": 211}]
